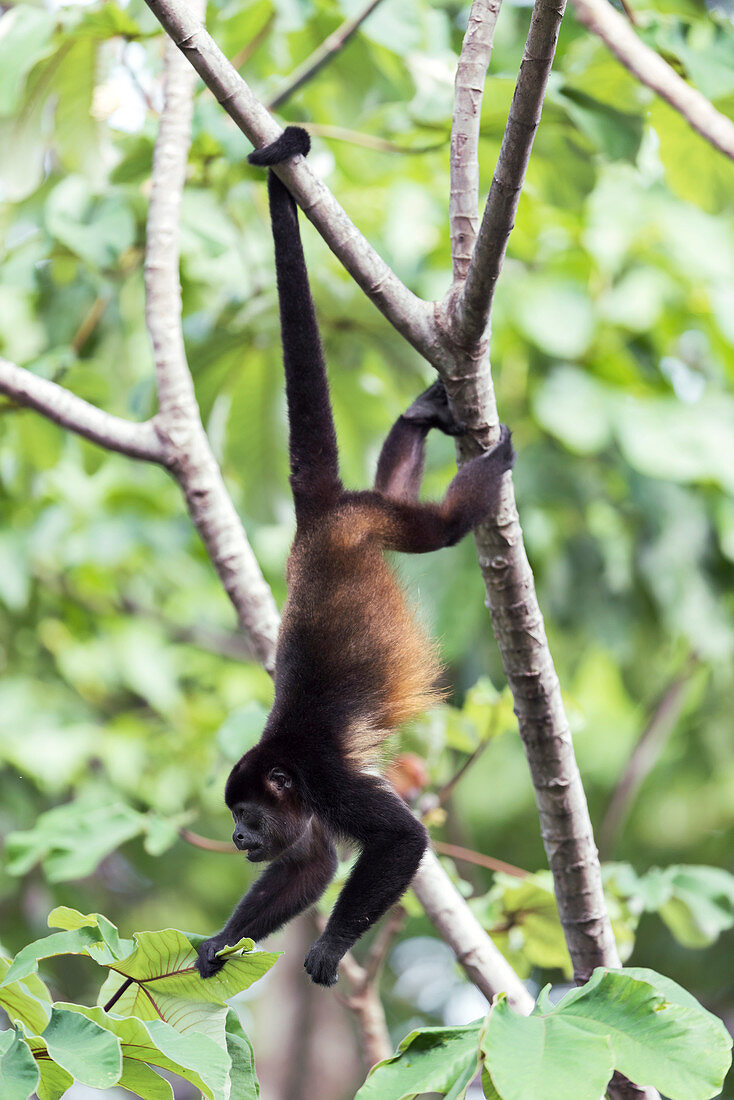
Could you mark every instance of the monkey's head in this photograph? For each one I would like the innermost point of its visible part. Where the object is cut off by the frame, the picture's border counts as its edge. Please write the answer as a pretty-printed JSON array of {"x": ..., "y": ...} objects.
[{"x": 269, "y": 815}]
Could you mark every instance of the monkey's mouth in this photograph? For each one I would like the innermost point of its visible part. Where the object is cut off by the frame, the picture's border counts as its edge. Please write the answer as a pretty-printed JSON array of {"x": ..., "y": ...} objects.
[{"x": 256, "y": 853}]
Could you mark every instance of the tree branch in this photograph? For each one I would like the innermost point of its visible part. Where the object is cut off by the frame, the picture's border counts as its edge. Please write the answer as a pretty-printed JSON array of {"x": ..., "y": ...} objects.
[
  {"x": 411, "y": 316},
  {"x": 482, "y": 962},
  {"x": 188, "y": 454},
  {"x": 475, "y": 302},
  {"x": 658, "y": 728},
  {"x": 649, "y": 67},
  {"x": 321, "y": 56},
  {"x": 471, "y": 72},
  {"x": 72, "y": 412}
]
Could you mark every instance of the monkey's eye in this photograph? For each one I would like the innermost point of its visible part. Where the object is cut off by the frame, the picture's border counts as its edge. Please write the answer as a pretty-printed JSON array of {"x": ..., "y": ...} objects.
[{"x": 279, "y": 779}]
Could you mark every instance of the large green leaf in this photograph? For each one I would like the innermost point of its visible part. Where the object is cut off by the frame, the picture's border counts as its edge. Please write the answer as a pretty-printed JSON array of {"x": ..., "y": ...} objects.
[
  {"x": 243, "y": 1080},
  {"x": 164, "y": 983},
  {"x": 28, "y": 1002},
  {"x": 434, "y": 1059},
  {"x": 197, "y": 1058},
  {"x": 545, "y": 1056},
  {"x": 18, "y": 1070},
  {"x": 87, "y": 1051},
  {"x": 659, "y": 1034}
]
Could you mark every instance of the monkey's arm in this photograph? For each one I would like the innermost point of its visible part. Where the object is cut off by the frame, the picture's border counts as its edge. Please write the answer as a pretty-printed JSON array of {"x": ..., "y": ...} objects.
[
  {"x": 393, "y": 842},
  {"x": 287, "y": 887},
  {"x": 416, "y": 528}
]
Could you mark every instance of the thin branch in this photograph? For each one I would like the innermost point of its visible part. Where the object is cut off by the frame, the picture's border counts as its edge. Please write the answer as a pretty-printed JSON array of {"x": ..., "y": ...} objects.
[
  {"x": 443, "y": 795},
  {"x": 188, "y": 453},
  {"x": 89, "y": 323},
  {"x": 475, "y": 302},
  {"x": 456, "y": 851},
  {"x": 371, "y": 141},
  {"x": 243, "y": 56},
  {"x": 410, "y": 315},
  {"x": 476, "y": 51},
  {"x": 649, "y": 67},
  {"x": 321, "y": 56},
  {"x": 206, "y": 843},
  {"x": 660, "y": 725},
  {"x": 72, "y": 412}
]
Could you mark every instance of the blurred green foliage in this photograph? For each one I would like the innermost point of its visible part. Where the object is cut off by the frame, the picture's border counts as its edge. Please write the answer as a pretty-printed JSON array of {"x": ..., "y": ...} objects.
[{"x": 611, "y": 348}]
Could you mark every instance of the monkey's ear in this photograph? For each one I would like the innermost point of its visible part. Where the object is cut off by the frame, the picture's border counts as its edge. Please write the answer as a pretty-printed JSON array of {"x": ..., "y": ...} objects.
[{"x": 278, "y": 780}]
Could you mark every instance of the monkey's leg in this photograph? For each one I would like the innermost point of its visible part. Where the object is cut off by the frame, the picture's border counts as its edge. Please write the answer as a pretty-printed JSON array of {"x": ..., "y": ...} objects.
[
  {"x": 392, "y": 843},
  {"x": 416, "y": 528},
  {"x": 400, "y": 465}
]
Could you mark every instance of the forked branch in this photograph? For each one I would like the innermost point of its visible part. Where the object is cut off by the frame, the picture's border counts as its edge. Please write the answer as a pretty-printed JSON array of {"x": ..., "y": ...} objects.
[
  {"x": 475, "y": 303},
  {"x": 411, "y": 316}
]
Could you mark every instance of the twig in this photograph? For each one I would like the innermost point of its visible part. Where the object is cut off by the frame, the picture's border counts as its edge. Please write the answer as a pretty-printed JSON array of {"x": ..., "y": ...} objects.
[
  {"x": 475, "y": 303},
  {"x": 243, "y": 56},
  {"x": 321, "y": 56},
  {"x": 89, "y": 323},
  {"x": 207, "y": 844},
  {"x": 476, "y": 51},
  {"x": 371, "y": 141},
  {"x": 72, "y": 412},
  {"x": 456, "y": 851},
  {"x": 650, "y": 68},
  {"x": 660, "y": 725},
  {"x": 188, "y": 453},
  {"x": 410, "y": 315},
  {"x": 443, "y": 795},
  {"x": 117, "y": 994}
]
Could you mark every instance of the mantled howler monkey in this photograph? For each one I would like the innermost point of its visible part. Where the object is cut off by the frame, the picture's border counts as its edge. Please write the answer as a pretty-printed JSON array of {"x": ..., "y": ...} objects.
[{"x": 351, "y": 662}]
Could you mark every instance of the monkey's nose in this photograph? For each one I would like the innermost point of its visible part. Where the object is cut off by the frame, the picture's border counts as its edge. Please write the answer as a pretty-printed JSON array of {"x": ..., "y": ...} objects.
[{"x": 239, "y": 839}]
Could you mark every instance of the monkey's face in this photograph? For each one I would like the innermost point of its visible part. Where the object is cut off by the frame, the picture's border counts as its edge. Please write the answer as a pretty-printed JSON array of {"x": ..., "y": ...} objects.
[{"x": 267, "y": 811}]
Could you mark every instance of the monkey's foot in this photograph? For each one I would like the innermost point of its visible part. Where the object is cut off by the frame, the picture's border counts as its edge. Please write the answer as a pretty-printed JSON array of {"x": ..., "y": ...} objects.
[
  {"x": 322, "y": 963},
  {"x": 431, "y": 409},
  {"x": 207, "y": 963}
]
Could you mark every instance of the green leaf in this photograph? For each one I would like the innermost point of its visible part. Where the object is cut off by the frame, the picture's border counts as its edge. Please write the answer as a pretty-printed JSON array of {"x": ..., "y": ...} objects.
[
  {"x": 25, "y": 33},
  {"x": 241, "y": 729},
  {"x": 97, "y": 230},
  {"x": 60, "y": 943},
  {"x": 72, "y": 840},
  {"x": 28, "y": 1002},
  {"x": 18, "y": 1070},
  {"x": 434, "y": 1059},
  {"x": 548, "y": 1056},
  {"x": 659, "y": 1034},
  {"x": 144, "y": 1081},
  {"x": 88, "y": 1052},
  {"x": 196, "y": 1058},
  {"x": 166, "y": 984},
  {"x": 242, "y": 1076}
]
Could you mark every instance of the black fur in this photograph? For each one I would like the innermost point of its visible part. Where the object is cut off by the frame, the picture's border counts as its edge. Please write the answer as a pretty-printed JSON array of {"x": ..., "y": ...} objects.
[{"x": 351, "y": 662}]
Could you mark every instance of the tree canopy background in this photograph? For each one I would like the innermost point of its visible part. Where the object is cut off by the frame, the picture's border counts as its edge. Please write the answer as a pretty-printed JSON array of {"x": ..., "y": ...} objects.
[{"x": 122, "y": 685}]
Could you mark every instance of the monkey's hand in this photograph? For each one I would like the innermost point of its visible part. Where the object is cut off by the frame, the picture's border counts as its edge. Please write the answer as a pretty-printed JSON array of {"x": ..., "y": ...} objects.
[
  {"x": 207, "y": 963},
  {"x": 322, "y": 962}
]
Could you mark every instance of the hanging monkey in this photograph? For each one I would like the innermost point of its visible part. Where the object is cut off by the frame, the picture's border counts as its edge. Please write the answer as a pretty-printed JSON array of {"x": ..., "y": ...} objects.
[{"x": 351, "y": 662}]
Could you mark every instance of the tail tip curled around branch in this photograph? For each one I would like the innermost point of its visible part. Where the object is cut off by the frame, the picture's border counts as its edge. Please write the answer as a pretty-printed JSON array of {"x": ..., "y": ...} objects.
[{"x": 293, "y": 141}]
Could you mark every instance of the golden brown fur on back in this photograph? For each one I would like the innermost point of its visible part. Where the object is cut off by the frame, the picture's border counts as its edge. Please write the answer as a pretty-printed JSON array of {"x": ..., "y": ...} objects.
[{"x": 347, "y": 630}]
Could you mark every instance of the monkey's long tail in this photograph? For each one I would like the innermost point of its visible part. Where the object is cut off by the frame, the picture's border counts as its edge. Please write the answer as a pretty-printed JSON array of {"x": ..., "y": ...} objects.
[{"x": 313, "y": 447}]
